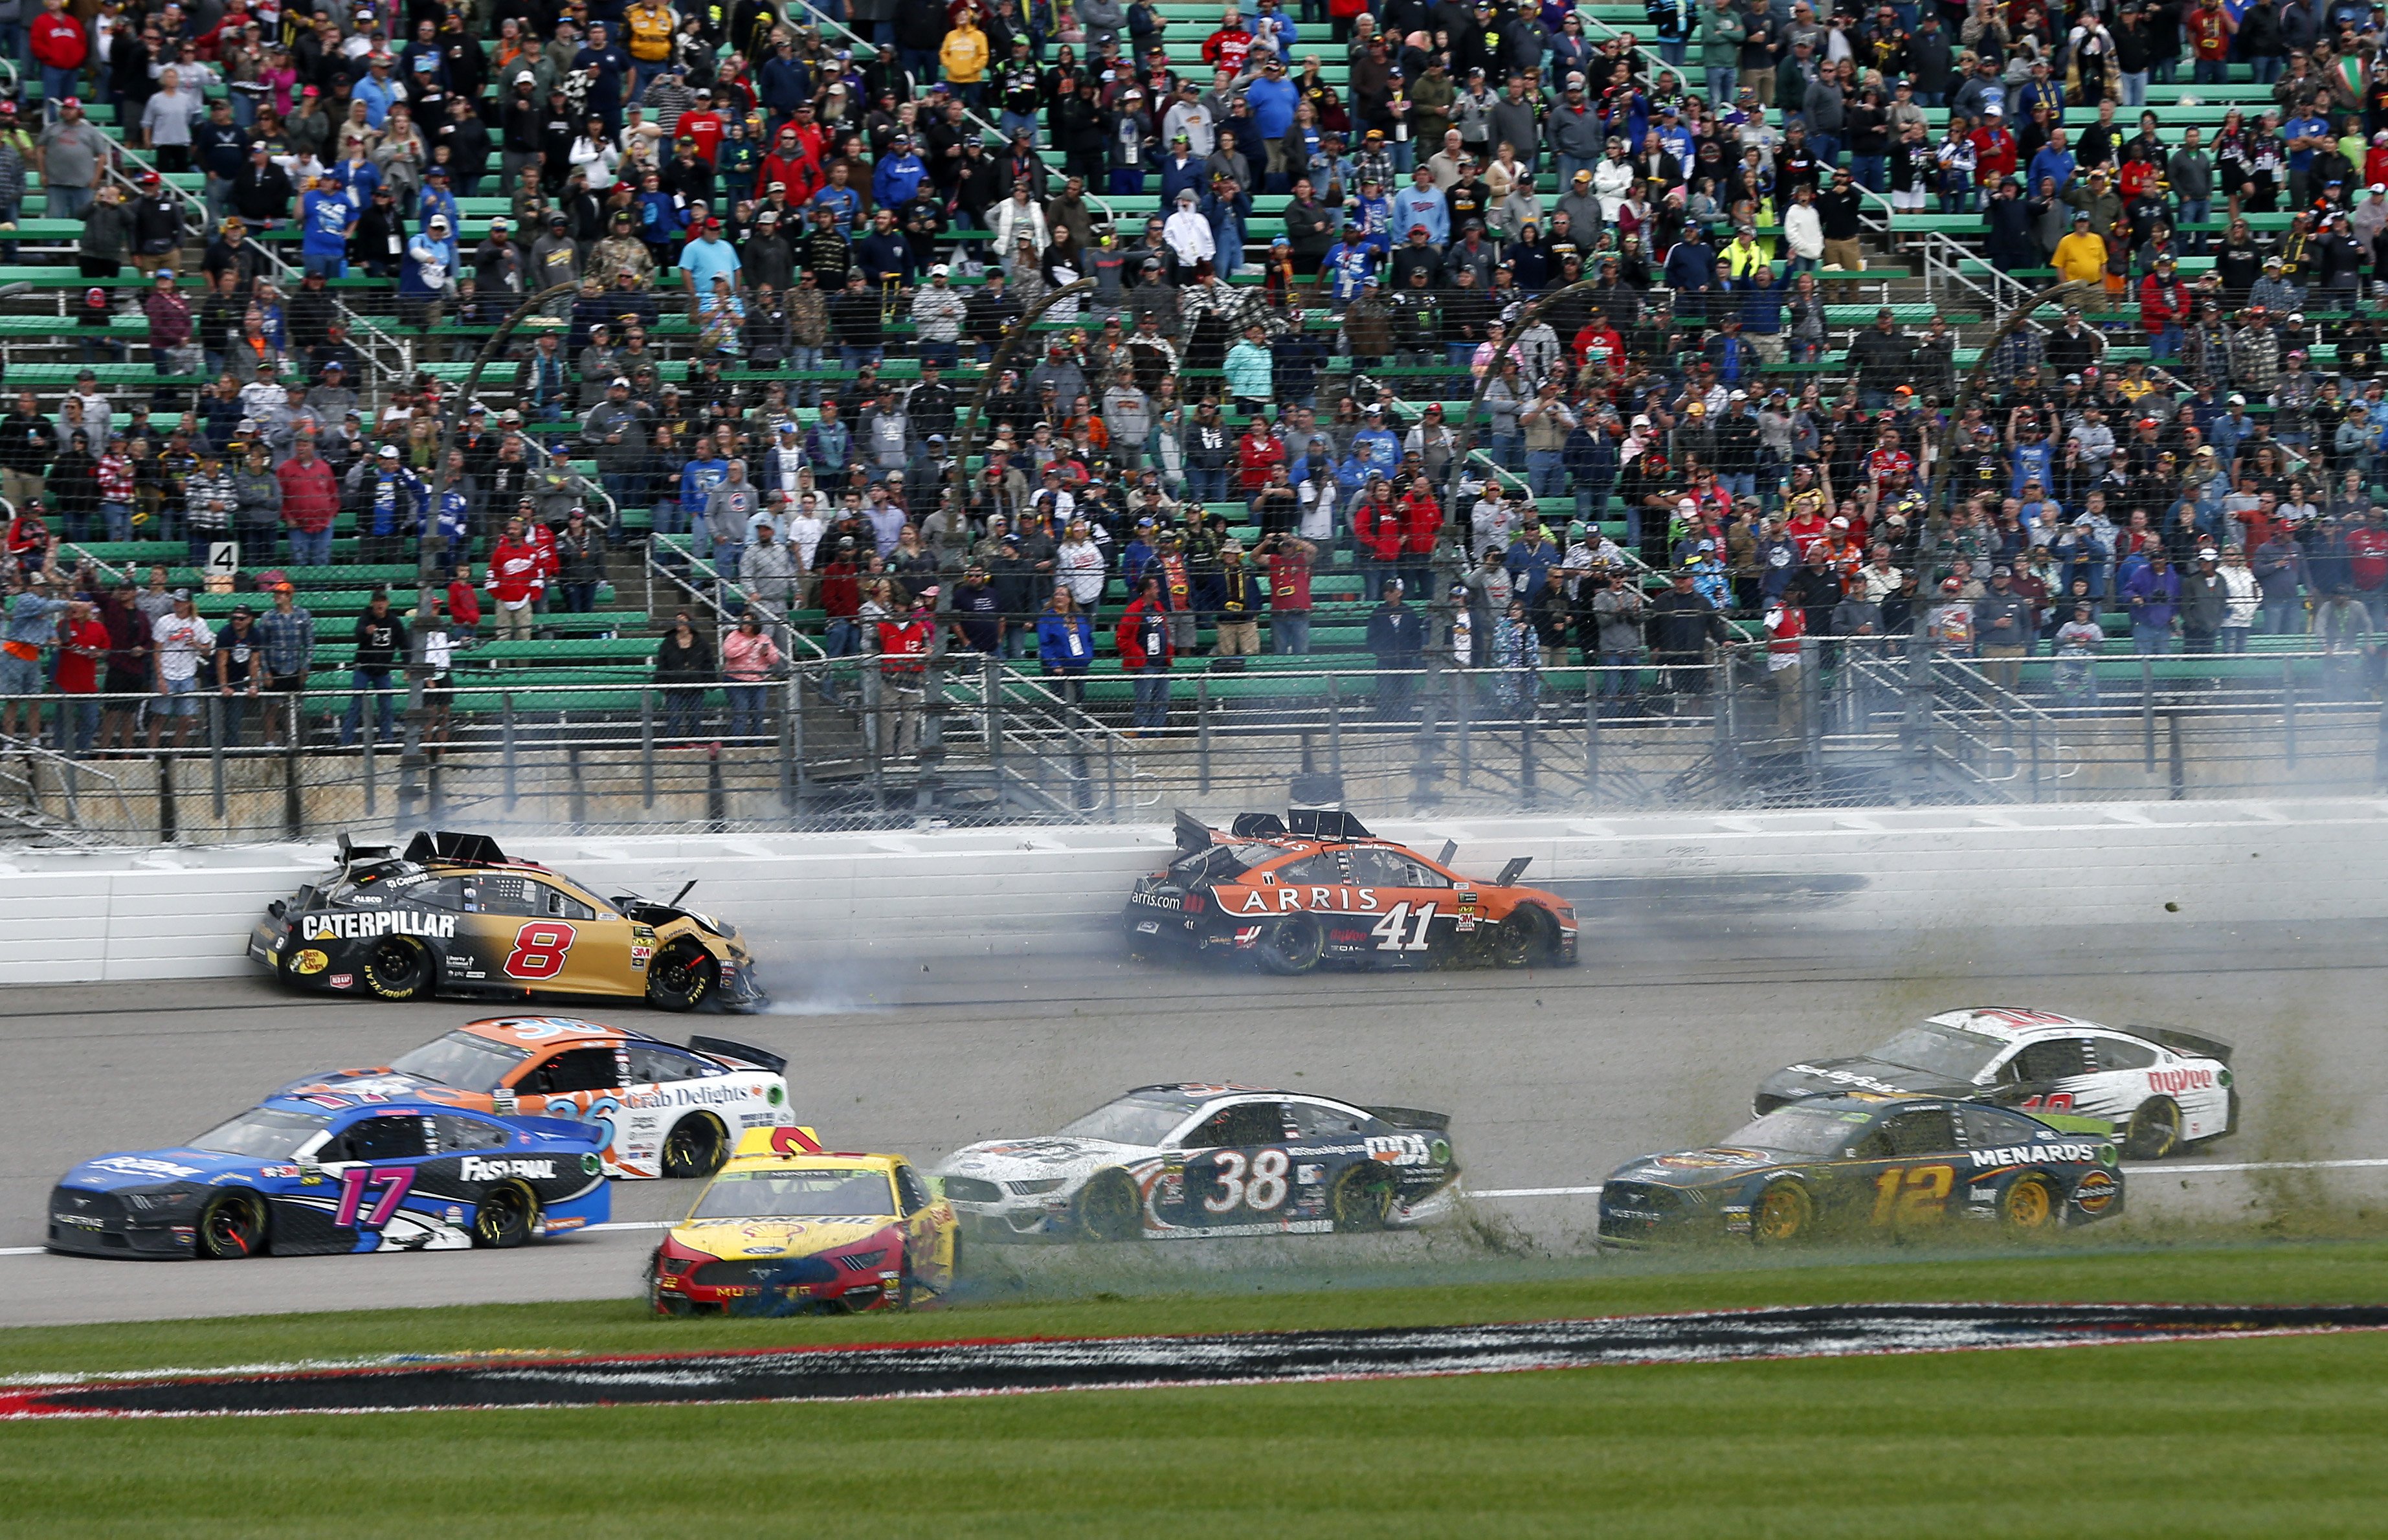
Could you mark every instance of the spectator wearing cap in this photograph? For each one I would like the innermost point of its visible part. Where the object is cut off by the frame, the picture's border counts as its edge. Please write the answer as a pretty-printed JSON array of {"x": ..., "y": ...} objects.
[
  {"x": 180, "y": 643},
  {"x": 74, "y": 154},
  {"x": 428, "y": 277},
  {"x": 2152, "y": 594}
]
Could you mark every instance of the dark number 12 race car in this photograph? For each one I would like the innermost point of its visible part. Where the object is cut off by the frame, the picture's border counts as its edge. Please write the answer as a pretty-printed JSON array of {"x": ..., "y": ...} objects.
[
  {"x": 1316, "y": 887},
  {"x": 455, "y": 915}
]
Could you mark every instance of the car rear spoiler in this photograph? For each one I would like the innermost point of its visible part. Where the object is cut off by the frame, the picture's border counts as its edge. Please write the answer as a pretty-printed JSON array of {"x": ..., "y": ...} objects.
[
  {"x": 448, "y": 846},
  {"x": 727, "y": 1050},
  {"x": 1410, "y": 1117},
  {"x": 353, "y": 854},
  {"x": 2186, "y": 1042},
  {"x": 1193, "y": 835},
  {"x": 1515, "y": 869}
]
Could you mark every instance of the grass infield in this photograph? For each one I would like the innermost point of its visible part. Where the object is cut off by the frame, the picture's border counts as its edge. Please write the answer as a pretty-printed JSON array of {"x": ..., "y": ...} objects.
[{"x": 2248, "y": 1438}]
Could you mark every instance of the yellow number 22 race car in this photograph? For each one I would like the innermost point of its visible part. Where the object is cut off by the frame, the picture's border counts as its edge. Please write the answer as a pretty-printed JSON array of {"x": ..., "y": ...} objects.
[{"x": 454, "y": 915}]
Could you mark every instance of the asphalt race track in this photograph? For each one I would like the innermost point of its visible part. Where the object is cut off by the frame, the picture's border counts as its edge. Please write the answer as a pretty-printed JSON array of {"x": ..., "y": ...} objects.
[{"x": 1552, "y": 1078}]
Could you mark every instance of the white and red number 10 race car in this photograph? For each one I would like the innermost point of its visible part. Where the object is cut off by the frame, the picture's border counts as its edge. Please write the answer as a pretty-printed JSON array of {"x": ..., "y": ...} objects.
[{"x": 2160, "y": 1089}]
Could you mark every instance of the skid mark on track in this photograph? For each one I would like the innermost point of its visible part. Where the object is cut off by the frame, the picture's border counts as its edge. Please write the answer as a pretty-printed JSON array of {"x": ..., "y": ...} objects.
[{"x": 1000, "y": 1367}]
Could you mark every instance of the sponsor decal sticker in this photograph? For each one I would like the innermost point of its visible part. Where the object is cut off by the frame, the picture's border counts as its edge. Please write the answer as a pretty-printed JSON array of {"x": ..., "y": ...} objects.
[
  {"x": 338, "y": 925},
  {"x": 1709, "y": 1160},
  {"x": 144, "y": 1165},
  {"x": 310, "y": 961},
  {"x": 343, "y": 981},
  {"x": 2172, "y": 1082},
  {"x": 2097, "y": 1193},
  {"x": 478, "y": 1170},
  {"x": 2015, "y": 1154}
]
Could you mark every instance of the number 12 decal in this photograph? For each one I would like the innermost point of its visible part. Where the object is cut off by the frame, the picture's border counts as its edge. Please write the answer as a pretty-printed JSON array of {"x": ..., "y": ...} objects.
[
  {"x": 1388, "y": 931},
  {"x": 393, "y": 1180},
  {"x": 1925, "y": 1200}
]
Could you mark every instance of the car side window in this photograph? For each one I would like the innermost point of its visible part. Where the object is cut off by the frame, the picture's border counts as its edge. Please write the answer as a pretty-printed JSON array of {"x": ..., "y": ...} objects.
[
  {"x": 1928, "y": 1132},
  {"x": 910, "y": 1190},
  {"x": 1988, "y": 1128},
  {"x": 574, "y": 1069},
  {"x": 447, "y": 893},
  {"x": 467, "y": 1133},
  {"x": 1323, "y": 868},
  {"x": 1875, "y": 1146},
  {"x": 558, "y": 905},
  {"x": 2053, "y": 1058},
  {"x": 1242, "y": 1126},
  {"x": 393, "y": 1138},
  {"x": 1374, "y": 868},
  {"x": 2123, "y": 1053},
  {"x": 1422, "y": 875},
  {"x": 1312, "y": 1121},
  {"x": 652, "y": 1064},
  {"x": 502, "y": 893}
]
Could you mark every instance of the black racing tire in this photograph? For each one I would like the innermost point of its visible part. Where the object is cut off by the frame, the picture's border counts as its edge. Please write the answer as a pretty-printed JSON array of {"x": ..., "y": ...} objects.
[
  {"x": 2031, "y": 1205},
  {"x": 1362, "y": 1198},
  {"x": 1294, "y": 945},
  {"x": 1109, "y": 1209},
  {"x": 232, "y": 1226},
  {"x": 2154, "y": 1129},
  {"x": 505, "y": 1216},
  {"x": 682, "y": 976},
  {"x": 1529, "y": 937},
  {"x": 398, "y": 968},
  {"x": 695, "y": 1147},
  {"x": 1785, "y": 1215}
]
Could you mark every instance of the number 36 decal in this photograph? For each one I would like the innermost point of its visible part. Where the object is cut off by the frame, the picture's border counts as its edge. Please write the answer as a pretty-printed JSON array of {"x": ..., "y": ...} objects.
[{"x": 540, "y": 949}]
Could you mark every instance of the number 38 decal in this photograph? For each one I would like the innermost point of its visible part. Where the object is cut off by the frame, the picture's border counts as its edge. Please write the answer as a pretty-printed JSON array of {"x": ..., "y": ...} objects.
[
  {"x": 1260, "y": 1188},
  {"x": 540, "y": 949}
]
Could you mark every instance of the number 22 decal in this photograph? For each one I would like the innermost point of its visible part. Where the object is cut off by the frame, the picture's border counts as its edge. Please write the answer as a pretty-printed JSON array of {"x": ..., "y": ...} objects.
[
  {"x": 1388, "y": 931},
  {"x": 394, "y": 1181},
  {"x": 1922, "y": 1203},
  {"x": 1264, "y": 1191},
  {"x": 540, "y": 949}
]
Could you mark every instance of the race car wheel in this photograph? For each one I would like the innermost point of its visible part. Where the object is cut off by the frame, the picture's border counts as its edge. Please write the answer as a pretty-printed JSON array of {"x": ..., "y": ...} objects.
[
  {"x": 2030, "y": 1206},
  {"x": 681, "y": 976},
  {"x": 1786, "y": 1214},
  {"x": 695, "y": 1147},
  {"x": 2154, "y": 1130},
  {"x": 505, "y": 1216},
  {"x": 1529, "y": 935},
  {"x": 233, "y": 1226},
  {"x": 398, "y": 968},
  {"x": 1362, "y": 1198},
  {"x": 1109, "y": 1209},
  {"x": 1293, "y": 946}
]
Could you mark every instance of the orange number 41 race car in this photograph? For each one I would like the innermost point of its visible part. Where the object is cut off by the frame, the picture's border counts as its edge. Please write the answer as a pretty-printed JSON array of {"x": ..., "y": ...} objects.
[{"x": 1316, "y": 887}]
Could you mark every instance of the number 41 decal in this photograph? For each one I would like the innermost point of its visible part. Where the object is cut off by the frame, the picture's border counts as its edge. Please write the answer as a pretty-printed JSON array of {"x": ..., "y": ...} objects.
[
  {"x": 1388, "y": 931},
  {"x": 394, "y": 1182}
]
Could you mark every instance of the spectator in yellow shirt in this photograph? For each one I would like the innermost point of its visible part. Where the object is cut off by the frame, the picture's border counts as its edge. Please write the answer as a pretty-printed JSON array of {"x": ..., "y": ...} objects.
[
  {"x": 2081, "y": 258},
  {"x": 964, "y": 56}
]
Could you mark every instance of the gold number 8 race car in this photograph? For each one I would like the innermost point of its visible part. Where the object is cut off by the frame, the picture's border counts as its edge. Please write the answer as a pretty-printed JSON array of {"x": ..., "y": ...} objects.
[{"x": 454, "y": 915}]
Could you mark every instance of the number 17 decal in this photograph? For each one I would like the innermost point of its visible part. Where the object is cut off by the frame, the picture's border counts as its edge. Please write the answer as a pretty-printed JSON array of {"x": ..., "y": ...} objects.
[{"x": 394, "y": 1182}]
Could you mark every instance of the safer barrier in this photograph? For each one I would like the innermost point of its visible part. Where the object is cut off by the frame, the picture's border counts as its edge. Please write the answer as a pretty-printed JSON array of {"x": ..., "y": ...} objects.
[{"x": 808, "y": 902}]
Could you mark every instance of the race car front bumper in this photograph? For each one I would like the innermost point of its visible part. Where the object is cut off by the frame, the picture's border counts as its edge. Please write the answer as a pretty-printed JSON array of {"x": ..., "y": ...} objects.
[
  {"x": 84, "y": 1223},
  {"x": 776, "y": 1286}
]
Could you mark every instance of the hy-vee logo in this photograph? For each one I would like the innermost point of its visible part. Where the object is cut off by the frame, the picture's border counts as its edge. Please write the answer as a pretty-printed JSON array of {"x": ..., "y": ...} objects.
[
  {"x": 479, "y": 1170},
  {"x": 364, "y": 927}
]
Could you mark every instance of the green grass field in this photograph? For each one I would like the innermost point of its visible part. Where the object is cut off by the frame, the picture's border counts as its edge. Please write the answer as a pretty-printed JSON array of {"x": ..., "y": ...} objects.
[{"x": 2277, "y": 1436}]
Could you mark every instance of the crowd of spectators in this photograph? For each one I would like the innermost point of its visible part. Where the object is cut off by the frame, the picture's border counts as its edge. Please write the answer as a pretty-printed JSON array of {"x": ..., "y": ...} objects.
[{"x": 1628, "y": 255}]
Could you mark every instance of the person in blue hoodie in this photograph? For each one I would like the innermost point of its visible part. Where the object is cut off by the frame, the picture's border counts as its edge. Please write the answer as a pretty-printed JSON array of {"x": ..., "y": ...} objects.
[
  {"x": 899, "y": 175},
  {"x": 438, "y": 199},
  {"x": 429, "y": 271},
  {"x": 1422, "y": 204}
]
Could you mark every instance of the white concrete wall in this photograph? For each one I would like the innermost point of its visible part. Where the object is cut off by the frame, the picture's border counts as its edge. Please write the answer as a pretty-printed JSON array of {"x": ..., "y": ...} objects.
[{"x": 185, "y": 913}]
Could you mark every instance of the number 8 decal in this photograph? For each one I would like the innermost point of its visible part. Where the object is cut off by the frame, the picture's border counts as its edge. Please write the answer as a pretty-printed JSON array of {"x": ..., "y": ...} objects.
[{"x": 540, "y": 949}]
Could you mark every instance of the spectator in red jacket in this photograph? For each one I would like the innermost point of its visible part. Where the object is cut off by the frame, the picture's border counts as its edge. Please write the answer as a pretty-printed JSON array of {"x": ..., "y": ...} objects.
[
  {"x": 904, "y": 659},
  {"x": 1145, "y": 651},
  {"x": 1421, "y": 527},
  {"x": 2164, "y": 309},
  {"x": 1257, "y": 453},
  {"x": 310, "y": 502},
  {"x": 464, "y": 602},
  {"x": 517, "y": 580},
  {"x": 1379, "y": 528},
  {"x": 59, "y": 47}
]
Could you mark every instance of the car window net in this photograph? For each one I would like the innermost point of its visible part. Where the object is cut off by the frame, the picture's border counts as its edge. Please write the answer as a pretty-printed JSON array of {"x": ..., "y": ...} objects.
[
  {"x": 266, "y": 1133},
  {"x": 1941, "y": 1051},
  {"x": 463, "y": 1062},
  {"x": 796, "y": 1195},
  {"x": 1128, "y": 1121},
  {"x": 1222, "y": 863}
]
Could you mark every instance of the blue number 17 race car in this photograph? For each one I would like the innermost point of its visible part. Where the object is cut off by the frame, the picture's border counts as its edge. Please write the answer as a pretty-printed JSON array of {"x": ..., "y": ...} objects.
[{"x": 325, "y": 1173}]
